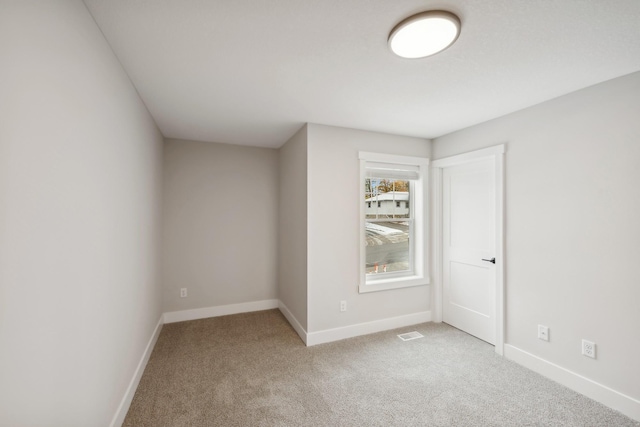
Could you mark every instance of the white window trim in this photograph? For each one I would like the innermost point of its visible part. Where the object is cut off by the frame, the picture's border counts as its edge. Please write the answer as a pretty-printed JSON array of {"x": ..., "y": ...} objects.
[{"x": 420, "y": 276}]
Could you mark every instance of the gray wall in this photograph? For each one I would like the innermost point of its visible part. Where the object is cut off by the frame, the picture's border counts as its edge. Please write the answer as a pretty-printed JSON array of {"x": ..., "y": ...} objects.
[
  {"x": 292, "y": 246},
  {"x": 572, "y": 228},
  {"x": 334, "y": 227},
  {"x": 80, "y": 180},
  {"x": 220, "y": 207}
]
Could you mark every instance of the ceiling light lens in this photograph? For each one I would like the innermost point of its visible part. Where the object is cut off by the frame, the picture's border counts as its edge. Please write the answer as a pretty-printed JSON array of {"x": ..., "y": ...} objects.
[{"x": 424, "y": 34}]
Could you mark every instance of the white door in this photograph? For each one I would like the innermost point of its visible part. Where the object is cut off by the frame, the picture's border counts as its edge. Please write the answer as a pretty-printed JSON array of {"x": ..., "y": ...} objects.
[{"x": 468, "y": 246}]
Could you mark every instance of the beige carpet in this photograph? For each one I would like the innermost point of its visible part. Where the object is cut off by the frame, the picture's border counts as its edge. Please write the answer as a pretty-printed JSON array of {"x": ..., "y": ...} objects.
[{"x": 253, "y": 370}]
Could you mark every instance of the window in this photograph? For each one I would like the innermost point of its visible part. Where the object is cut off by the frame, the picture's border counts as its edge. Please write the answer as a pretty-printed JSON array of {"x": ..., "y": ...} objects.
[{"x": 393, "y": 234}]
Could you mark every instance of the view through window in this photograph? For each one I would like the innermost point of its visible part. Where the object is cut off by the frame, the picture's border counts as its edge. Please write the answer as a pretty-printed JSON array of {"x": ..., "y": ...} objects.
[{"x": 388, "y": 226}]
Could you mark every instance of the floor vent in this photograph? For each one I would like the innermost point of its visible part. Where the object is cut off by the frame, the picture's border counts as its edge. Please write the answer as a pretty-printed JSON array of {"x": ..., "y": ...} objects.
[{"x": 410, "y": 336}]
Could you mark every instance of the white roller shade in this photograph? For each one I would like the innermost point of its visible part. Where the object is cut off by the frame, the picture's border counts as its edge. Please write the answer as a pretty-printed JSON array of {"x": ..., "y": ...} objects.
[{"x": 392, "y": 171}]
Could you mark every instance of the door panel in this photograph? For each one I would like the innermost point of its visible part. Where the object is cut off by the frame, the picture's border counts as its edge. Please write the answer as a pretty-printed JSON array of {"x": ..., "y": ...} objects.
[
  {"x": 468, "y": 288},
  {"x": 469, "y": 235},
  {"x": 471, "y": 202}
]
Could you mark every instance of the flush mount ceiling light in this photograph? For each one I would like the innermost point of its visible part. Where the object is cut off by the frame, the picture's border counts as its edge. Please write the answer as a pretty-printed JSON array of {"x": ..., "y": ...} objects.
[{"x": 424, "y": 34}]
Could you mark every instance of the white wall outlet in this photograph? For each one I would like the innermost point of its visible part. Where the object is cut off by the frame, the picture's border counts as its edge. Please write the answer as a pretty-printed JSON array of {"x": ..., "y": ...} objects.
[
  {"x": 589, "y": 349},
  {"x": 343, "y": 306},
  {"x": 183, "y": 292},
  {"x": 543, "y": 332}
]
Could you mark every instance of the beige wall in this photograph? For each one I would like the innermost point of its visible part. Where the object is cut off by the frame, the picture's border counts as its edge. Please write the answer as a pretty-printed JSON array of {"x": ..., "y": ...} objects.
[
  {"x": 572, "y": 228},
  {"x": 220, "y": 206},
  {"x": 80, "y": 180},
  {"x": 334, "y": 229},
  {"x": 292, "y": 228}
]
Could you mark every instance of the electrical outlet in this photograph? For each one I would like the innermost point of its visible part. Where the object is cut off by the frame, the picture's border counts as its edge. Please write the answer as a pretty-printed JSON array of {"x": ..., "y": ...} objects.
[
  {"x": 343, "y": 306},
  {"x": 543, "y": 332},
  {"x": 589, "y": 349},
  {"x": 183, "y": 292}
]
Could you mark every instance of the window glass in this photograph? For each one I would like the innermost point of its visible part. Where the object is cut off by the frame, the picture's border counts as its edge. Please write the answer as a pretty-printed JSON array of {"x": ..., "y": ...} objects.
[{"x": 388, "y": 226}]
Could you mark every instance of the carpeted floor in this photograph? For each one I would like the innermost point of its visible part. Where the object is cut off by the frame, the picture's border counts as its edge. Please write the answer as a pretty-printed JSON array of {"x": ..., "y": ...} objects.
[{"x": 253, "y": 370}]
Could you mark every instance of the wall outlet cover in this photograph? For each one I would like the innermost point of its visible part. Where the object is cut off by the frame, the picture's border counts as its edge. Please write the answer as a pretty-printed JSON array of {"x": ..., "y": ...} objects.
[
  {"x": 589, "y": 349},
  {"x": 543, "y": 332}
]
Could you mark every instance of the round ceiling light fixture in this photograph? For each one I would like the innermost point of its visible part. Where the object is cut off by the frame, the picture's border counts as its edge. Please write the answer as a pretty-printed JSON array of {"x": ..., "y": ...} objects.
[{"x": 424, "y": 34}]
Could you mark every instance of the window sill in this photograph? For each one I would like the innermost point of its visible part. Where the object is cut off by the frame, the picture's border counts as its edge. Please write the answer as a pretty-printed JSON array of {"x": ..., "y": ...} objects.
[{"x": 393, "y": 283}]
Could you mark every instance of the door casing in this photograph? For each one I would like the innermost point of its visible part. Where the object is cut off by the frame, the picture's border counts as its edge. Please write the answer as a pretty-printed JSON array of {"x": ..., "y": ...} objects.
[{"x": 496, "y": 152}]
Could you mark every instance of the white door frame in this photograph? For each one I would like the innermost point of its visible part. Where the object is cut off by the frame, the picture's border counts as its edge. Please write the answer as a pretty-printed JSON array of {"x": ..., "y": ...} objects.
[{"x": 496, "y": 152}]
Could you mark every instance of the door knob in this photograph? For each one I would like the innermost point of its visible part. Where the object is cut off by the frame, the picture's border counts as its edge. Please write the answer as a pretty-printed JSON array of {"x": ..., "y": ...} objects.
[{"x": 492, "y": 260}]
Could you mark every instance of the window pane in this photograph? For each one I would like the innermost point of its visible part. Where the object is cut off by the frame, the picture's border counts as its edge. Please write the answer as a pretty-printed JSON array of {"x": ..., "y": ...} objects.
[
  {"x": 387, "y": 247},
  {"x": 387, "y": 198}
]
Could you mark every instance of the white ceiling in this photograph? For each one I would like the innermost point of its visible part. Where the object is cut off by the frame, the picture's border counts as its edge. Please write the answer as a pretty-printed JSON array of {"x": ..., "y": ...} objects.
[{"x": 251, "y": 72}]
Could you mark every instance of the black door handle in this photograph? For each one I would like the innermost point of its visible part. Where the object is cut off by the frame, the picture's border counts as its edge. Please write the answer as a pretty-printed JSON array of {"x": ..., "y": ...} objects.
[{"x": 492, "y": 260}]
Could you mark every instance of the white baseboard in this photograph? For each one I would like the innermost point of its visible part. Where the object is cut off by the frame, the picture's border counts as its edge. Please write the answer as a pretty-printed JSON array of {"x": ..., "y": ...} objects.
[
  {"x": 219, "y": 310},
  {"x": 594, "y": 390},
  {"x": 336, "y": 334},
  {"x": 123, "y": 408},
  {"x": 293, "y": 321}
]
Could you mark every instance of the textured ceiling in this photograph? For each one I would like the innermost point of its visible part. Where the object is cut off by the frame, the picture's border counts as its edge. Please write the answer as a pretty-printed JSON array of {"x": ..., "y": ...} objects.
[{"x": 252, "y": 72}]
